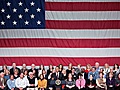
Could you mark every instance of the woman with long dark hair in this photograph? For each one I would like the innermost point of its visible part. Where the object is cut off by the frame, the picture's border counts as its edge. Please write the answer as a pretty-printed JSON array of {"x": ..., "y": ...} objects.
[
  {"x": 70, "y": 82},
  {"x": 101, "y": 82},
  {"x": 80, "y": 82},
  {"x": 91, "y": 83},
  {"x": 42, "y": 83}
]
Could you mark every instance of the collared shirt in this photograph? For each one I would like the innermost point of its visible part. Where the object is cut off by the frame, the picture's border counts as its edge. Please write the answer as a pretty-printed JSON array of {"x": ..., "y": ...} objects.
[
  {"x": 11, "y": 83},
  {"x": 80, "y": 83},
  {"x": 20, "y": 83}
]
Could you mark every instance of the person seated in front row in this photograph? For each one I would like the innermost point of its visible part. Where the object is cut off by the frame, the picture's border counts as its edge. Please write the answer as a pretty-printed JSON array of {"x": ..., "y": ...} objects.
[
  {"x": 110, "y": 82},
  {"x": 70, "y": 83},
  {"x": 32, "y": 81},
  {"x": 118, "y": 82},
  {"x": 42, "y": 83},
  {"x": 56, "y": 76},
  {"x": 11, "y": 83},
  {"x": 2, "y": 82},
  {"x": 80, "y": 82},
  {"x": 20, "y": 82},
  {"x": 101, "y": 82},
  {"x": 91, "y": 83}
]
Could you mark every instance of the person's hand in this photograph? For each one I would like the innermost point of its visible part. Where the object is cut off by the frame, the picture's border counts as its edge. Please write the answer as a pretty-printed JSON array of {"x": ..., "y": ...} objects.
[
  {"x": 12, "y": 89},
  {"x": 78, "y": 87},
  {"x": 20, "y": 88},
  {"x": 32, "y": 84},
  {"x": 70, "y": 87},
  {"x": 102, "y": 87},
  {"x": 118, "y": 85},
  {"x": 52, "y": 78},
  {"x": 2, "y": 87},
  {"x": 33, "y": 71}
]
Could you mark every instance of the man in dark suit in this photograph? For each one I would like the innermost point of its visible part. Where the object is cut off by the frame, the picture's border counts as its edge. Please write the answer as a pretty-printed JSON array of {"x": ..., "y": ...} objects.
[
  {"x": 2, "y": 82},
  {"x": 57, "y": 75},
  {"x": 13, "y": 68},
  {"x": 34, "y": 70}
]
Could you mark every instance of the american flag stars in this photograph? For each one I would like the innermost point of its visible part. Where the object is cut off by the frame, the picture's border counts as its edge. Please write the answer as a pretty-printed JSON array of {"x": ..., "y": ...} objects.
[{"x": 20, "y": 14}]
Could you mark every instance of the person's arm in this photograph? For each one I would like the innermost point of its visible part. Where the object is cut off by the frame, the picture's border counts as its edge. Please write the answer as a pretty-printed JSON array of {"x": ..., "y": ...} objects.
[
  {"x": 8, "y": 84},
  {"x": 36, "y": 82},
  {"x": 16, "y": 83},
  {"x": 45, "y": 84},
  {"x": 83, "y": 83},
  {"x": 98, "y": 83},
  {"x": 77, "y": 84},
  {"x": 89, "y": 75},
  {"x": 24, "y": 84}
]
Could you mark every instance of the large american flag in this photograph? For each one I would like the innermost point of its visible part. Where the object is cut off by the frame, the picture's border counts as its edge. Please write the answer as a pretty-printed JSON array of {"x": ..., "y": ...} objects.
[{"x": 59, "y": 32}]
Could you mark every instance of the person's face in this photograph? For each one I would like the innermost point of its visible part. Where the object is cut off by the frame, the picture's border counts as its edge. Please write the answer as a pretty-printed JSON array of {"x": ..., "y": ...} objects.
[
  {"x": 4, "y": 67},
  {"x": 41, "y": 76},
  {"x": 33, "y": 66},
  {"x": 116, "y": 66},
  {"x": 2, "y": 75},
  {"x": 7, "y": 72},
  {"x": 110, "y": 75},
  {"x": 80, "y": 77},
  {"x": 44, "y": 72},
  {"x": 26, "y": 72},
  {"x": 91, "y": 77},
  {"x": 119, "y": 76},
  {"x": 57, "y": 69},
  {"x": 93, "y": 69},
  {"x": 101, "y": 70},
  {"x": 11, "y": 77},
  {"x": 101, "y": 75},
  {"x": 111, "y": 70},
  {"x": 41, "y": 67},
  {"x": 60, "y": 66},
  {"x": 96, "y": 65},
  {"x": 106, "y": 65},
  {"x": 24, "y": 65},
  {"x": 14, "y": 65},
  {"x": 51, "y": 66},
  {"x": 70, "y": 76},
  {"x": 31, "y": 75},
  {"x": 79, "y": 66},
  {"x": 70, "y": 65},
  {"x": 21, "y": 75}
]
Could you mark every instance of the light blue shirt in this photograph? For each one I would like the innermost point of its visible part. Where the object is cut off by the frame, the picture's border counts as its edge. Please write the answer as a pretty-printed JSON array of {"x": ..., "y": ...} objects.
[{"x": 11, "y": 83}]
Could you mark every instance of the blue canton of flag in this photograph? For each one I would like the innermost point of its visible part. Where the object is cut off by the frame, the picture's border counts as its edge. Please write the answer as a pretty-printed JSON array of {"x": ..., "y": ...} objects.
[{"x": 22, "y": 14}]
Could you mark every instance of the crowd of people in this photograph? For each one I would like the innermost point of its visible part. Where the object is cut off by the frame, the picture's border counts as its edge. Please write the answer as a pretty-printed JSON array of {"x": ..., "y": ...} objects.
[{"x": 60, "y": 78}]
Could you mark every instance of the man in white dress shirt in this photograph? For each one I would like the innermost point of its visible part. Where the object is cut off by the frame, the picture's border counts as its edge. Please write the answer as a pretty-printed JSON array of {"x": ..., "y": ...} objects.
[{"x": 20, "y": 82}]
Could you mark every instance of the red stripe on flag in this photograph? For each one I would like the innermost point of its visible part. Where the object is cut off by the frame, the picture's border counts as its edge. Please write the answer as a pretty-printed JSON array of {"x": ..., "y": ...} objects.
[
  {"x": 83, "y": 24},
  {"x": 57, "y": 60},
  {"x": 82, "y": 6},
  {"x": 60, "y": 43}
]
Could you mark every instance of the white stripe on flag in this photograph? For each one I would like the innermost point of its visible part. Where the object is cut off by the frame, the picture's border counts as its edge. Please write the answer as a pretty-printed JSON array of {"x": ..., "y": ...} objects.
[
  {"x": 59, "y": 52},
  {"x": 82, "y": 15},
  {"x": 61, "y": 34}
]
